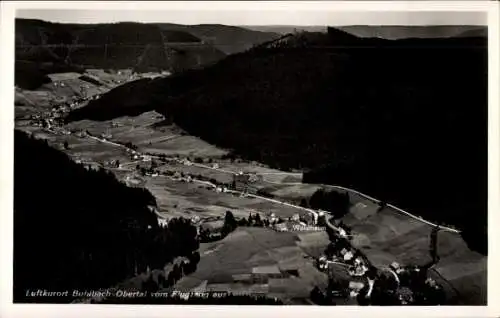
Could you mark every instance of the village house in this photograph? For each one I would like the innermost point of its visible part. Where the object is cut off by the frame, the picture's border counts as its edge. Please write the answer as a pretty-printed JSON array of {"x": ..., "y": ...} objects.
[
  {"x": 323, "y": 262},
  {"x": 281, "y": 227},
  {"x": 347, "y": 255},
  {"x": 162, "y": 222},
  {"x": 273, "y": 218}
]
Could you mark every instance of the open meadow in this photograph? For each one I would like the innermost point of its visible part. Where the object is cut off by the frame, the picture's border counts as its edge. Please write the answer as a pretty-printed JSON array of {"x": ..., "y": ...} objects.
[{"x": 261, "y": 261}]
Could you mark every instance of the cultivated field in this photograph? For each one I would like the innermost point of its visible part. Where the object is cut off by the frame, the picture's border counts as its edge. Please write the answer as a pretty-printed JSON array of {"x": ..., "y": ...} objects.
[
  {"x": 188, "y": 199},
  {"x": 142, "y": 132},
  {"x": 258, "y": 260}
]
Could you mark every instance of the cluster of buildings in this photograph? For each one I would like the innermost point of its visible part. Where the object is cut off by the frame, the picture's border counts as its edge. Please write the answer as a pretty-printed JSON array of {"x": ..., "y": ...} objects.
[
  {"x": 296, "y": 222},
  {"x": 53, "y": 117}
]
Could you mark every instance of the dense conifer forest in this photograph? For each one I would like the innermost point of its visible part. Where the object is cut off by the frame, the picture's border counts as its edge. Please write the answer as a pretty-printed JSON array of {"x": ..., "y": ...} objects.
[{"x": 80, "y": 229}]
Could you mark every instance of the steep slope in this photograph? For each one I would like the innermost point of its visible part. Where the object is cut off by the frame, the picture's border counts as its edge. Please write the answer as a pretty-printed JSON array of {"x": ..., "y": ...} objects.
[
  {"x": 404, "y": 121},
  {"x": 86, "y": 231},
  {"x": 228, "y": 39}
]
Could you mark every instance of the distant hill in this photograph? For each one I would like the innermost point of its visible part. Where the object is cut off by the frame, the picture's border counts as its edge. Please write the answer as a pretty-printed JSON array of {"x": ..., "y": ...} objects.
[
  {"x": 285, "y": 29},
  {"x": 402, "y": 120},
  {"x": 228, "y": 39},
  {"x": 393, "y": 32},
  {"x": 143, "y": 47},
  {"x": 479, "y": 32}
]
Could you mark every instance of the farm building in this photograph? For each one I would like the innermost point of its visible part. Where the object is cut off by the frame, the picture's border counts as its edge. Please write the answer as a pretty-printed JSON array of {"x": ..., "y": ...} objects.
[
  {"x": 281, "y": 227},
  {"x": 162, "y": 221}
]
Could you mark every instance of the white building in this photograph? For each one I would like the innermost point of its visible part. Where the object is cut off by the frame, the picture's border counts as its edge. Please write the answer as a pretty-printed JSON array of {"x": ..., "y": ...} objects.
[
  {"x": 348, "y": 256},
  {"x": 395, "y": 265},
  {"x": 342, "y": 233}
]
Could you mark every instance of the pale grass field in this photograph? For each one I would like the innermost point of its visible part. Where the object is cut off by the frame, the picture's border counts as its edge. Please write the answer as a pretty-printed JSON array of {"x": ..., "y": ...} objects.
[{"x": 248, "y": 248}]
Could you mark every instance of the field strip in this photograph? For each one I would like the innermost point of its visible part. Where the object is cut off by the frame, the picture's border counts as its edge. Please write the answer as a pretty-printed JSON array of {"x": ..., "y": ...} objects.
[
  {"x": 211, "y": 168},
  {"x": 282, "y": 183}
]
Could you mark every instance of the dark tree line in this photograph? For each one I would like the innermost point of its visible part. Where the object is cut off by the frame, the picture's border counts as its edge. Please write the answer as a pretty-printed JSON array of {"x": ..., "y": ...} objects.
[
  {"x": 166, "y": 281},
  {"x": 332, "y": 201},
  {"x": 79, "y": 229}
]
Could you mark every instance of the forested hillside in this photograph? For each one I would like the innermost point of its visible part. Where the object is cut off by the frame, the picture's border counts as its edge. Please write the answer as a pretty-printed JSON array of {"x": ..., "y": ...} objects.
[
  {"x": 401, "y": 120},
  {"x": 84, "y": 230},
  {"x": 227, "y": 38},
  {"x": 142, "y": 47}
]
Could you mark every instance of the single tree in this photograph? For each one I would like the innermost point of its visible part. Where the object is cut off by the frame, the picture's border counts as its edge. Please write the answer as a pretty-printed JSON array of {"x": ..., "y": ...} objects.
[{"x": 230, "y": 221}]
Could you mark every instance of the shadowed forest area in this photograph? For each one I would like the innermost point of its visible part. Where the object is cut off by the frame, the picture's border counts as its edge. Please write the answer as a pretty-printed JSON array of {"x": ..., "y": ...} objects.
[{"x": 84, "y": 230}]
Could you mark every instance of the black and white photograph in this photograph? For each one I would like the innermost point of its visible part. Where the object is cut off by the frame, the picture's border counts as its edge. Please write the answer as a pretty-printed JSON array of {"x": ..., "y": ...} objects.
[{"x": 249, "y": 157}]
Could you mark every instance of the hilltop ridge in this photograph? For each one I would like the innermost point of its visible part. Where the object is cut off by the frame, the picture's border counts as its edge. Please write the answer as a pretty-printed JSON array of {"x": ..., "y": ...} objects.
[{"x": 45, "y": 47}]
